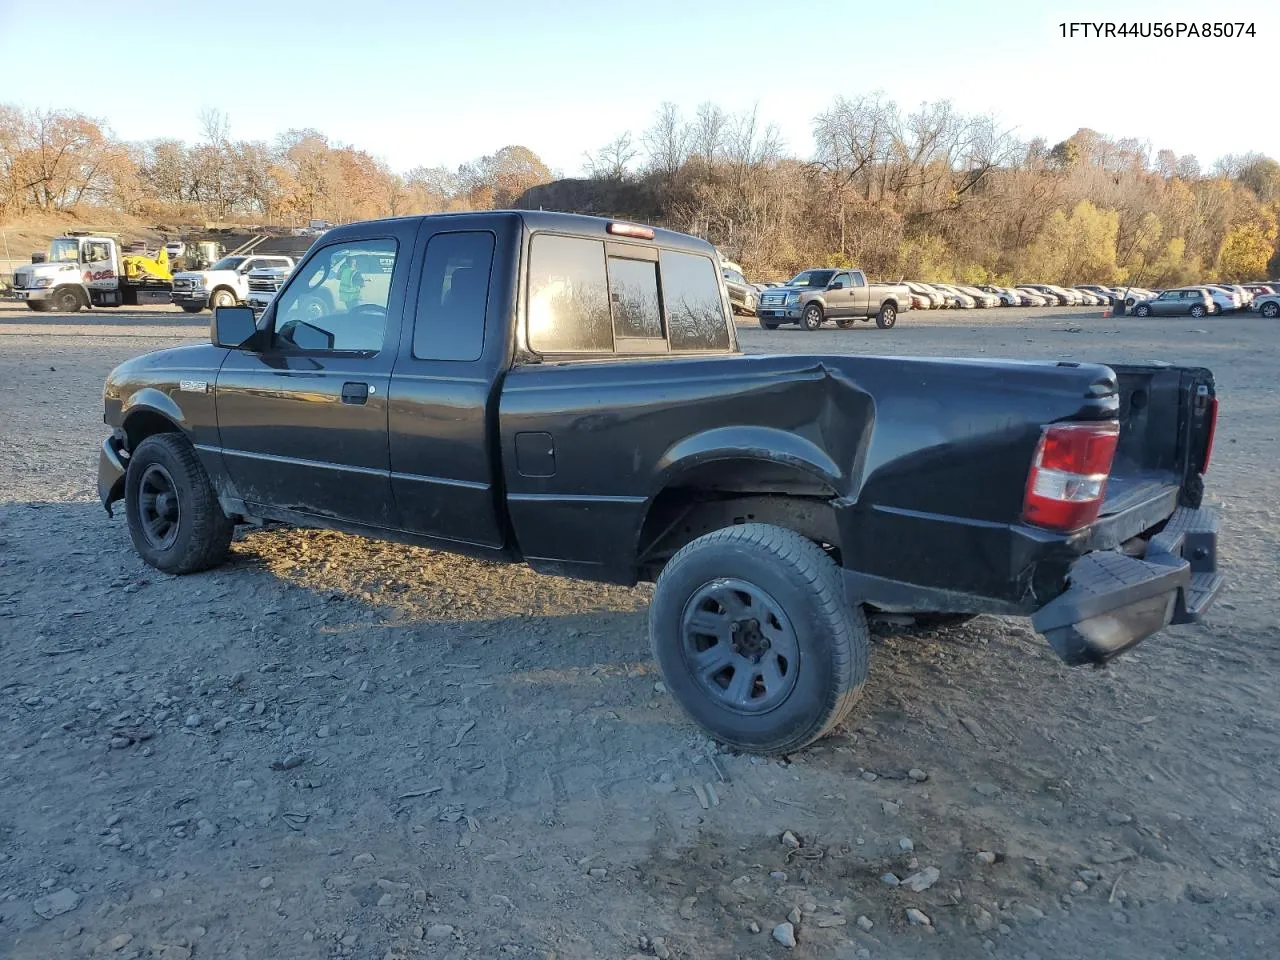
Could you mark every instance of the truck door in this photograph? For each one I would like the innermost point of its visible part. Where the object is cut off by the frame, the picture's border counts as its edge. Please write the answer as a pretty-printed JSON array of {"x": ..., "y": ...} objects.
[
  {"x": 839, "y": 296},
  {"x": 303, "y": 424},
  {"x": 859, "y": 295},
  {"x": 445, "y": 388}
]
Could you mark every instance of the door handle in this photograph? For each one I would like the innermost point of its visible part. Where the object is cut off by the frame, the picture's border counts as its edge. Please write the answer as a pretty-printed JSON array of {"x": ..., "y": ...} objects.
[{"x": 355, "y": 392}]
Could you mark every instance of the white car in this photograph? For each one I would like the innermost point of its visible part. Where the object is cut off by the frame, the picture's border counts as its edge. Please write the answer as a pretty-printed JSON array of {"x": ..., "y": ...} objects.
[
  {"x": 1224, "y": 299},
  {"x": 935, "y": 298},
  {"x": 980, "y": 297},
  {"x": 1007, "y": 297},
  {"x": 956, "y": 297},
  {"x": 1268, "y": 305}
]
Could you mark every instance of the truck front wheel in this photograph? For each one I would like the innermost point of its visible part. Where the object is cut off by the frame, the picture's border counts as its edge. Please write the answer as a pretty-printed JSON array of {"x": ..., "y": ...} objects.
[
  {"x": 175, "y": 520},
  {"x": 755, "y": 640},
  {"x": 66, "y": 300},
  {"x": 887, "y": 316},
  {"x": 191, "y": 308},
  {"x": 812, "y": 318},
  {"x": 221, "y": 298}
]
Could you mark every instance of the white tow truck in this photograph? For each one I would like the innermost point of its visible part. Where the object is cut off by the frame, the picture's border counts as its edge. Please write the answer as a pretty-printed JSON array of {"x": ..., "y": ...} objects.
[
  {"x": 90, "y": 270},
  {"x": 225, "y": 284}
]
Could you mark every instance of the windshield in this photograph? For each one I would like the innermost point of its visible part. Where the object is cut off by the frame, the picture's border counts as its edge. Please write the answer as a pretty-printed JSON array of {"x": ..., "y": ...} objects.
[
  {"x": 228, "y": 263},
  {"x": 64, "y": 250},
  {"x": 812, "y": 278}
]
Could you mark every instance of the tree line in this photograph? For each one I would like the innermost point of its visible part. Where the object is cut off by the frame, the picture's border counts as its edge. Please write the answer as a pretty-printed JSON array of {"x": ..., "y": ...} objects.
[{"x": 930, "y": 193}]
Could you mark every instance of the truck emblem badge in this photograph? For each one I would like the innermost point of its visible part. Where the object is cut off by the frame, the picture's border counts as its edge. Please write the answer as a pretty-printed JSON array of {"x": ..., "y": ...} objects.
[{"x": 193, "y": 386}]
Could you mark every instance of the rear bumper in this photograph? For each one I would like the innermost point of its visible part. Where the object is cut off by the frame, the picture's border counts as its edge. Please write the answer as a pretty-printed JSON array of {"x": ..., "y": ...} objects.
[
  {"x": 111, "y": 470},
  {"x": 1114, "y": 601}
]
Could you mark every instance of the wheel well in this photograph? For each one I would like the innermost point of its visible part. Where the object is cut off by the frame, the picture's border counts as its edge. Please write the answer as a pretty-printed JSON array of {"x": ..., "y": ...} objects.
[
  {"x": 76, "y": 289},
  {"x": 223, "y": 288},
  {"x": 890, "y": 302},
  {"x": 144, "y": 423},
  {"x": 724, "y": 493}
]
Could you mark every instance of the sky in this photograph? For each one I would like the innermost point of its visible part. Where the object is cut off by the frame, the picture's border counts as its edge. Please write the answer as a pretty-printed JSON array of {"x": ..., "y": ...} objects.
[{"x": 439, "y": 83}]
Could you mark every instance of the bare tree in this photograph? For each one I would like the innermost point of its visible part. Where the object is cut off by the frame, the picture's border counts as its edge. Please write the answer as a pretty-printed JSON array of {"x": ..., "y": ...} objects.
[
  {"x": 613, "y": 160},
  {"x": 667, "y": 140},
  {"x": 707, "y": 136}
]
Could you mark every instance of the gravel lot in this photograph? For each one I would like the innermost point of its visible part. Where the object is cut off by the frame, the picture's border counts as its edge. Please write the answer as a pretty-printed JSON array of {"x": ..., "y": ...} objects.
[{"x": 337, "y": 748}]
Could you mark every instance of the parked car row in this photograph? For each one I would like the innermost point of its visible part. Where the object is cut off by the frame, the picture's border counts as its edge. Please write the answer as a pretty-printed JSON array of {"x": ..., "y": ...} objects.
[{"x": 1198, "y": 300}]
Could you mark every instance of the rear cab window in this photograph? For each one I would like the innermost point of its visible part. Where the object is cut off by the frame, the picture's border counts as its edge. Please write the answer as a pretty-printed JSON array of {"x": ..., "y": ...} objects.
[{"x": 596, "y": 297}]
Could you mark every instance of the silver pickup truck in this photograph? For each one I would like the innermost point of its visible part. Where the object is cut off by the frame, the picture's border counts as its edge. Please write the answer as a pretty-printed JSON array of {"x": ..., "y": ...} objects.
[{"x": 811, "y": 298}]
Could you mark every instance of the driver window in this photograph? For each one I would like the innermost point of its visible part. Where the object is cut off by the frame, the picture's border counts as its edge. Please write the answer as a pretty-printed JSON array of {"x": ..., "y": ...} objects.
[
  {"x": 339, "y": 299},
  {"x": 842, "y": 279}
]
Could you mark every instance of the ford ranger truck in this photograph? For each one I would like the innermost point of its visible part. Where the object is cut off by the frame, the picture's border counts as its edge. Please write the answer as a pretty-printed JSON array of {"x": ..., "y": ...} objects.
[{"x": 567, "y": 392}]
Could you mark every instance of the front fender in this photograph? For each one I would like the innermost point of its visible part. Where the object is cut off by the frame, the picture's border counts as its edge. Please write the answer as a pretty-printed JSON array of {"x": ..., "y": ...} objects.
[{"x": 155, "y": 401}]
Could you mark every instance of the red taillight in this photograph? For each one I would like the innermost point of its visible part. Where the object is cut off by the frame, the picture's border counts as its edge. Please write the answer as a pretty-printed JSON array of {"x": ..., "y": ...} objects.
[
  {"x": 631, "y": 230},
  {"x": 1068, "y": 478},
  {"x": 1213, "y": 430}
]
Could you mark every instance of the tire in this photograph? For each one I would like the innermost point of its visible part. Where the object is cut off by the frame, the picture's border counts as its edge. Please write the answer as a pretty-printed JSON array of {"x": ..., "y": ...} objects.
[
  {"x": 766, "y": 324},
  {"x": 38, "y": 306},
  {"x": 66, "y": 300},
  {"x": 846, "y": 323},
  {"x": 1197, "y": 311},
  {"x": 812, "y": 318},
  {"x": 186, "y": 533},
  {"x": 1270, "y": 310},
  {"x": 887, "y": 316},
  {"x": 221, "y": 298},
  {"x": 820, "y": 659},
  {"x": 191, "y": 309},
  {"x": 1142, "y": 310}
]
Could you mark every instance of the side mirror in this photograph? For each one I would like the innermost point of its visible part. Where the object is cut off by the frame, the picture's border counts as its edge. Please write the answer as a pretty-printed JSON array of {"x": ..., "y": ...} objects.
[
  {"x": 232, "y": 327},
  {"x": 307, "y": 336},
  {"x": 838, "y": 285}
]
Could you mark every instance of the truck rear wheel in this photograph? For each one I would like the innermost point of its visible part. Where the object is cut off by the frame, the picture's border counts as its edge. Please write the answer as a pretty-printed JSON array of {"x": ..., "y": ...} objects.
[
  {"x": 755, "y": 640},
  {"x": 812, "y": 318},
  {"x": 846, "y": 323},
  {"x": 175, "y": 520},
  {"x": 887, "y": 316}
]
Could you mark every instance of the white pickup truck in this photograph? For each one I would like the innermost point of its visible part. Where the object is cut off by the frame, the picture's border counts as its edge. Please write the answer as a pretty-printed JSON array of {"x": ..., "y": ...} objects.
[
  {"x": 264, "y": 284},
  {"x": 225, "y": 284}
]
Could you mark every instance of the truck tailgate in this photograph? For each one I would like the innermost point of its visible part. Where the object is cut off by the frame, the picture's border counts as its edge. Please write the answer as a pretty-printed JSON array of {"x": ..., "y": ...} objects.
[{"x": 1166, "y": 422}]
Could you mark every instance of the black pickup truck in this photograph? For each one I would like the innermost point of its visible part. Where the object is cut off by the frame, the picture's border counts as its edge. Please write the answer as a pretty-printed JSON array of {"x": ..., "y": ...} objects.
[{"x": 568, "y": 392}]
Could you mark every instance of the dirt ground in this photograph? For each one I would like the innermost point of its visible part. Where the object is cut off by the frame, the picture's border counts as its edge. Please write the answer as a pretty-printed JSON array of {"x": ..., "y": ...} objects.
[{"x": 337, "y": 748}]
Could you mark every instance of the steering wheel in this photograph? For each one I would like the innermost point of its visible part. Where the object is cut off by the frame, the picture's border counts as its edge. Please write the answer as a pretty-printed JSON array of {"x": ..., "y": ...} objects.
[{"x": 368, "y": 309}]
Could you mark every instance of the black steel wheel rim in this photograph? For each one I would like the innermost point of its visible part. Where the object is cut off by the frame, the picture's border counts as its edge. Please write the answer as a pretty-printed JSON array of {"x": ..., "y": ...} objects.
[
  {"x": 739, "y": 646},
  {"x": 158, "y": 507}
]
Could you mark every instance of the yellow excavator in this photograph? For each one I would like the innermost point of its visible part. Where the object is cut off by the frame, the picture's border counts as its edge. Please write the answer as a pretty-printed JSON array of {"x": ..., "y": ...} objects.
[{"x": 140, "y": 268}]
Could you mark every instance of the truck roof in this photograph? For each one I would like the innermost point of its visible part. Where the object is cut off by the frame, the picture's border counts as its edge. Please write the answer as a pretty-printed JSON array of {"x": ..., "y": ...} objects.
[{"x": 534, "y": 220}]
